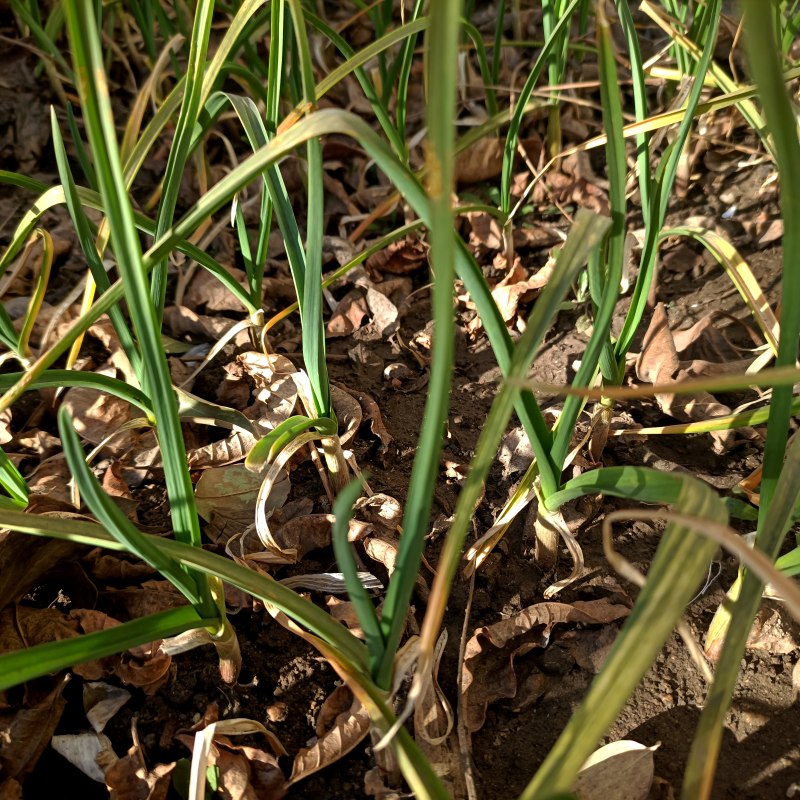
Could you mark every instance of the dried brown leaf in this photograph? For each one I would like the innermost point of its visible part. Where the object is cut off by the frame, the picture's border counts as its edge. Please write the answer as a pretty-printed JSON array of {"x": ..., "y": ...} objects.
[
  {"x": 130, "y": 779},
  {"x": 774, "y": 630},
  {"x": 96, "y": 415},
  {"x": 344, "y": 611},
  {"x": 348, "y": 730},
  {"x": 22, "y": 627},
  {"x": 517, "y": 286},
  {"x": 349, "y": 314},
  {"x": 226, "y": 497},
  {"x": 25, "y": 732},
  {"x": 348, "y": 412},
  {"x": 489, "y": 656},
  {"x": 384, "y": 318},
  {"x": 381, "y": 511},
  {"x": 339, "y": 701},
  {"x": 26, "y": 559},
  {"x": 149, "y": 597},
  {"x": 372, "y": 413},
  {"x": 106, "y": 567},
  {"x": 399, "y": 258},
  {"x": 481, "y": 161},
  {"x": 205, "y": 291},
  {"x": 101, "y": 701},
  {"x": 590, "y": 648},
  {"x": 485, "y": 233},
  {"x": 10, "y": 789},
  {"x": 51, "y": 478},
  {"x": 304, "y": 534},
  {"x": 659, "y": 363},
  {"x": 116, "y": 486}
]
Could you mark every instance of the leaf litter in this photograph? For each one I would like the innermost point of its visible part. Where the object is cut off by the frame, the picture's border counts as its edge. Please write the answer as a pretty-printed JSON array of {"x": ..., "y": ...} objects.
[{"x": 263, "y": 387}]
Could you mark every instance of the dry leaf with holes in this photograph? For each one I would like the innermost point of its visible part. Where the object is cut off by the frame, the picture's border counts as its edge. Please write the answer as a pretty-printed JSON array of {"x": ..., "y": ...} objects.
[
  {"x": 489, "y": 657},
  {"x": 621, "y": 770}
]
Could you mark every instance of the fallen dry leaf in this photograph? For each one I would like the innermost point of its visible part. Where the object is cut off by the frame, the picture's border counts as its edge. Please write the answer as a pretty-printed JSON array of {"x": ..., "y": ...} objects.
[
  {"x": 484, "y": 232},
  {"x": 90, "y": 752},
  {"x": 130, "y": 779},
  {"x": 349, "y": 314},
  {"x": 590, "y": 648},
  {"x": 565, "y": 188},
  {"x": 658, "y": 363},
  {"x": 226, "y": 498},
  {"x": 399, "y": 258},
  {"x": 384, "y": 318},
  {"x": 518, "y": 286},
  {"x": 621, "y": 770},
  {"x": 489, "y": 656},
  {"x": 347, "y": 730},
  {"x": 343, "y": 611},
  {"x": 348, "y": 412},
  {"x": 144, "y": 667},
  {"x": 26, "y": 559},
  {"x": 481, "y": 161},
  {"x": 113, "y": 568},
  {"x": 25, "y": 731},
  {"x": 339, "y": 701},
  {"x": 205, "y": 291},
  {"x": 304, "y": 534},
  {"x": 51, "y": 478},
  {"x": 101, "y": 701},
  {"x": 96, "y": 415},
  {"x": 117, "y": 487},
  {"x": 381, "y": 511},
  {"x": 774, "y": 630},
  {"x": 10, "y": 789},
  {"x": 23, "y": 626}
]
